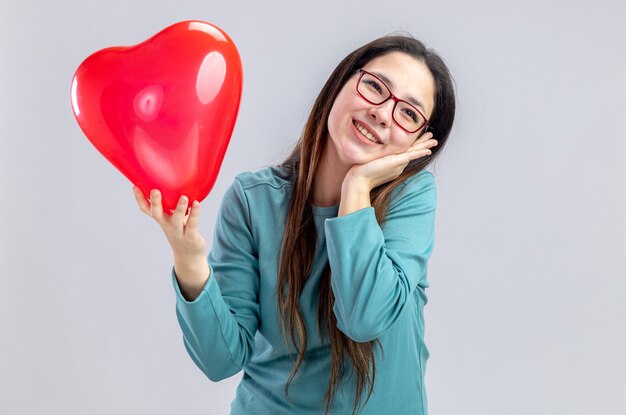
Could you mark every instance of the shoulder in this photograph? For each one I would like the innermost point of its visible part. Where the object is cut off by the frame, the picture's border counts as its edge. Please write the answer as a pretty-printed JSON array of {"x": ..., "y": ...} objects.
[
  {"x": 422, "y": 182},
  {"x": 265, "y": 192},
  {"x": 417, "y": 194},
  {"x": 273, "y": 176}
]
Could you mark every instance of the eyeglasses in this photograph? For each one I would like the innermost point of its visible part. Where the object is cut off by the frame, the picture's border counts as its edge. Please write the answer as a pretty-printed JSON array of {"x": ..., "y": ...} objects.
[{"x": 375, "y": 91}]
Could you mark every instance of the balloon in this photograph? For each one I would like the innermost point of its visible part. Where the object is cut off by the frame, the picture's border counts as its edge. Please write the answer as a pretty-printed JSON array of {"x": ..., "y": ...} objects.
[{"x": 163, "y": 111}]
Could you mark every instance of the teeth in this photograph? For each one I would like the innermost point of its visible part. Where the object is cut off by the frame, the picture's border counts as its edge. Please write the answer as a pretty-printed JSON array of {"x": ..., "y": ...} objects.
[{"x": 366, "y": 133}]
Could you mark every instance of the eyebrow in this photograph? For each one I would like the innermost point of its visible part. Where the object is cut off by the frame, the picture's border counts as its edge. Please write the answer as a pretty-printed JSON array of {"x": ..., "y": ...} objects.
[{"x": 412, "y": 100}]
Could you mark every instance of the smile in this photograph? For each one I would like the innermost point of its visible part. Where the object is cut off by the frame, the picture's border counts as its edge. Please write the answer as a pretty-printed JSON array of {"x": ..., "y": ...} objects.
[{"x": 365, "y": 133}]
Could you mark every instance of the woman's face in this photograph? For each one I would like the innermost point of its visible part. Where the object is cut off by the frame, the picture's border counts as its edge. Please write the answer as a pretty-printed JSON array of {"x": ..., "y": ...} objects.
[{"x": 410, "y": 80}]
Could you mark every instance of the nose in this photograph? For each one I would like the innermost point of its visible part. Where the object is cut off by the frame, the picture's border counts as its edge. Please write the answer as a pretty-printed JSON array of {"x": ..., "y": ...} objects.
[{"x": 382, "y": 114}]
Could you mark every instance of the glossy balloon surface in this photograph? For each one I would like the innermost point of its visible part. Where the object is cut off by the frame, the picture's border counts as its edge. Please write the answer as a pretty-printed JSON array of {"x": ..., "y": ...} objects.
[{"x": 163, "y": 111}]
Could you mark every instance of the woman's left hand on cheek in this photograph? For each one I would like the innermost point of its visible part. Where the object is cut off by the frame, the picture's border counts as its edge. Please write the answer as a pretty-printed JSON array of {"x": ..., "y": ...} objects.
[{"x": 384, "y": 169}]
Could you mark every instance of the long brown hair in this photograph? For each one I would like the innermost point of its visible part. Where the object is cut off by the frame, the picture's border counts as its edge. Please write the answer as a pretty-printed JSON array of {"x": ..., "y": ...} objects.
[{"x": 300, "y": 237}]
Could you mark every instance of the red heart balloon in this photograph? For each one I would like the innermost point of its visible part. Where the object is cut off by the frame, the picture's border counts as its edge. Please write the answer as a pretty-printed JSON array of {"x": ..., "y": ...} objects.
[{"x": 163, "y": 111}]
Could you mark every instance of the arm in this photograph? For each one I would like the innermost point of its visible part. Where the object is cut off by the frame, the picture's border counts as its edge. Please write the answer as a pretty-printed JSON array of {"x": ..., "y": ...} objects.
[
  {"x": 191, "y": 275},
  {"x": 220, "y": 323},
  {"x": 375, "y": 271}
]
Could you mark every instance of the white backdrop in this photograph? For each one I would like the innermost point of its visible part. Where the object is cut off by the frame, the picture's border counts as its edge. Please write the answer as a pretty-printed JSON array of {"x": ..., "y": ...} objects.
[{"x": 526, "y": 311}]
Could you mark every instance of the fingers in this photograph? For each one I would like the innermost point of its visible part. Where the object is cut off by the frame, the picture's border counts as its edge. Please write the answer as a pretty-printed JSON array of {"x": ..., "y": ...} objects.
[
  {"x": 421, "y": 147},
  {"x": 423, "y": 137},
  {"x": 419, "y": 152},
  {"x": 178, "y": 216},
  {"x": 144, "y": 206},
  {"x": 424, "y": 143},
  {"x": 194, "y": 216},
  {"x": 156, "y": 208},
  {"x": 148, "y": 207}
]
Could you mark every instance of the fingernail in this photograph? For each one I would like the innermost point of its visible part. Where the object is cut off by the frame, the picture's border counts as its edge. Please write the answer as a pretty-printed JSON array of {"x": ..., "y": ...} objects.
[{"x": 182, "y": 200}]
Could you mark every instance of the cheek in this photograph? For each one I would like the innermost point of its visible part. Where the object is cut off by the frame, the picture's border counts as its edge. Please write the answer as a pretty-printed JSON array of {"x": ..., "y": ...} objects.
[
  {"x": 342, "y": 107},
  {"x": 331, "y": 124},
  {"x": 336, "y": 118},
  {"x": 402, "y": 142}
]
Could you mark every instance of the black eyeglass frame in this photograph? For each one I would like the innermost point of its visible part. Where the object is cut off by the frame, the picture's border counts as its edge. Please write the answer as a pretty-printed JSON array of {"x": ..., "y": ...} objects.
[{"x": 395, "y": 99}]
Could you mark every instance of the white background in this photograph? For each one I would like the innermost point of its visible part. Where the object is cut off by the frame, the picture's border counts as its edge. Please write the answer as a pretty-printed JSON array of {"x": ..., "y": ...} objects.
[{"x": 526, "y": 311}]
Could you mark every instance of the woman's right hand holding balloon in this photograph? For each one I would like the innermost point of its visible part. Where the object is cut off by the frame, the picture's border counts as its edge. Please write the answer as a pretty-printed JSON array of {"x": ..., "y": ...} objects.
[{"x": 181, "y": 231}]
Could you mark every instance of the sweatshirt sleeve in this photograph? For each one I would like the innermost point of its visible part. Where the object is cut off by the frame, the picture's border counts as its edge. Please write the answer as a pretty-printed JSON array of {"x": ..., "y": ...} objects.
[
  {"x": 375, "y": 271},
  {"x": 219, "y": 325}
]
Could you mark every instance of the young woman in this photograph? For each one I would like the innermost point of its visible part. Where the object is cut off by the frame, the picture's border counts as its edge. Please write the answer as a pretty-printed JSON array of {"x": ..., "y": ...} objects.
[{"x": 314, "y": 284}]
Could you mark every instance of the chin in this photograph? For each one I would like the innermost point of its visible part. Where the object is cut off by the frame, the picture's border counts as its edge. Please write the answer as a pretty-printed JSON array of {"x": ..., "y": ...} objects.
[
  {"x": 349, "y": 151},
  {"x": 356, "y": 159}
]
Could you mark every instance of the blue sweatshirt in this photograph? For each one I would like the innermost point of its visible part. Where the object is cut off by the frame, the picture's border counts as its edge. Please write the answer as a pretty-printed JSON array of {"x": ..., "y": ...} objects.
[{"x": 378, "y": 280}]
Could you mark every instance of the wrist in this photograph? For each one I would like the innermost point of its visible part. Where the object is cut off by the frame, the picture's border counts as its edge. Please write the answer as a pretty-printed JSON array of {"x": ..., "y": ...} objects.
[
  {"x": 355, "y": 195},
  {"x": 188, "y": 258},
  {"x": 355, "y": 184},
  {"x": 191, "y": 270},
  {"x": 192, "y": 275}
]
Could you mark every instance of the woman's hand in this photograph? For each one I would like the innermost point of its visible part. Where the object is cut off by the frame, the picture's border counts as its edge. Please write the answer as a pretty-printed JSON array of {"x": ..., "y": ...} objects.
[
  {"x": 385, "y": 169},
  {"x": 362, "y": 178},
  {"x": 181, "y": 229}
]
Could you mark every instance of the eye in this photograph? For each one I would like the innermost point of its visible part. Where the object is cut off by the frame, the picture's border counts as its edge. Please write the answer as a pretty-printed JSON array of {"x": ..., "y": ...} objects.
[
  {"x": 411, "y": 114},
  {"x": 372, "y": 84}
]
